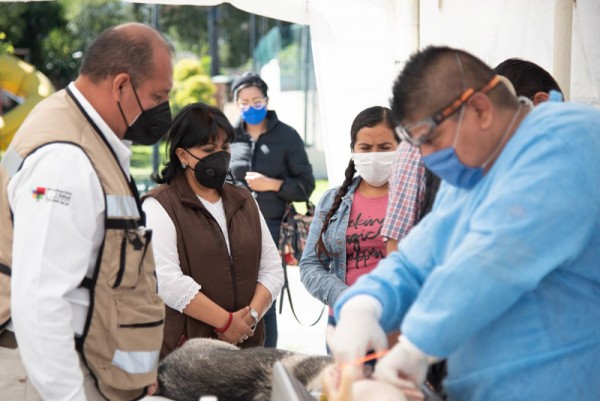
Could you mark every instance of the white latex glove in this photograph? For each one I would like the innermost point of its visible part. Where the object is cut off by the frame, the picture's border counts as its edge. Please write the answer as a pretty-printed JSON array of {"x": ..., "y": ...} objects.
[
  {"x": 357, "y": 330},
  {"x": 405, "y": 366}
]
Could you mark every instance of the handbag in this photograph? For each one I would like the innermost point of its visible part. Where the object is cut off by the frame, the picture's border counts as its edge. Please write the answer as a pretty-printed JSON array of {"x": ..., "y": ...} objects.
[{"x": 293, "y": 232}]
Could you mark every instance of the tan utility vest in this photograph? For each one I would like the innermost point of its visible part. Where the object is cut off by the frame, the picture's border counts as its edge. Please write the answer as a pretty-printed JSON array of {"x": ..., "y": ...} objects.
[{"x": 124, "y": 326}]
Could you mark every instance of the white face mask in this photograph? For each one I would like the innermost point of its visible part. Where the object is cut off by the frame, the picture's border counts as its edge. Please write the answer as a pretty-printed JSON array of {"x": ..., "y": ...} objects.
[{"x": 374, "y": 167}]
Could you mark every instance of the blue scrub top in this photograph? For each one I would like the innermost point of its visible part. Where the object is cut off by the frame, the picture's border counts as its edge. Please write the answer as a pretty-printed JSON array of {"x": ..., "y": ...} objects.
[{"x": 503, "y": 279}]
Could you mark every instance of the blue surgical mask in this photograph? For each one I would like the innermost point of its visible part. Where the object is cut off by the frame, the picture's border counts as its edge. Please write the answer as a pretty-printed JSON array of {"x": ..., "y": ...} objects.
[
  {"x": 446, "y": 164},
  {"x": 254, "y": 116}
]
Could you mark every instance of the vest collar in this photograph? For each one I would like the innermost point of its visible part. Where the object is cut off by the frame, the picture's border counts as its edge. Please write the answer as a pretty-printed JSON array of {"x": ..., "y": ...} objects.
[
  {"x": 121, "y": 148},
  {"x": 232, "y": 199}
]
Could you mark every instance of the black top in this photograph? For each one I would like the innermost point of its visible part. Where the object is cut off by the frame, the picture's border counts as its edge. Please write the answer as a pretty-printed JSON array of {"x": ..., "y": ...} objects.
[{"x": 278, "y": 153}]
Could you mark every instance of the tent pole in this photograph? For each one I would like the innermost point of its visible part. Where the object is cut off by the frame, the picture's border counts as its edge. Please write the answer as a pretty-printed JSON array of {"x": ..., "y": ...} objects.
[
  {"x": 156, "y": 146},
  {"x": 563, "y": 36},
  {"x": 407, "y": 12}
]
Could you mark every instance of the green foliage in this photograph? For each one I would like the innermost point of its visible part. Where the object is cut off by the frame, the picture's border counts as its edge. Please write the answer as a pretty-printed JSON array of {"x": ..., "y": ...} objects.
[
  {"x": 191, "y": 84},
  {"x": 88, "y": 18},
  {"x": 56, "y": 45},
  {"x": 186, "y": 68},
  {"x": 44, "y": 28},
  {"x": 27, "y": 25},
  {"x": 5, "y": 45},
  {"x": 59, "y": 48},
  {"x": 290, "y": 58},
  {"x": 234, "y": 44},
  {"x": 56, "y": 33},
  {"x": 141, "y": 165},
  {"x": 186, "y": 26}
]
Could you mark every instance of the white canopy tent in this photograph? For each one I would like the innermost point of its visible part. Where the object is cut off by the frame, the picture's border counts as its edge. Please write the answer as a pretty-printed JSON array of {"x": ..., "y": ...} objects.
[{"x": 360, "y": 45}]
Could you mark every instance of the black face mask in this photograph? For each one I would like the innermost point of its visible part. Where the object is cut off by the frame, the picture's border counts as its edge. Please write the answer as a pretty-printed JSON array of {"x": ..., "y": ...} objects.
[
  {"x": 151, "y": 125},
  {"x": 211, "y": 170}
]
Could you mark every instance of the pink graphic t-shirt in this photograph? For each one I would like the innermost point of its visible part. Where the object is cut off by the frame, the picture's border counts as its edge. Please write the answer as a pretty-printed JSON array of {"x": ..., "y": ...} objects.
[{"x": 364, "y": 244}]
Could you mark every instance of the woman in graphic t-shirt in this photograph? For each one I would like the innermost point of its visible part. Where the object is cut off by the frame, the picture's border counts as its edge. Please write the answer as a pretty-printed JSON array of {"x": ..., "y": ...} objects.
[{"x": 344, "y": 240}]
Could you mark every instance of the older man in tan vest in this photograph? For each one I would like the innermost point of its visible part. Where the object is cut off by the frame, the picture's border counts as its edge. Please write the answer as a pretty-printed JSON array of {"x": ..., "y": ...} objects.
[{"x": 79, "y": 313}]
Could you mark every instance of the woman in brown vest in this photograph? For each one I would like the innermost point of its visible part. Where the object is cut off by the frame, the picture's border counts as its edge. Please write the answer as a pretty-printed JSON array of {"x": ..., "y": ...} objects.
[{"x": 218, "y": 268}]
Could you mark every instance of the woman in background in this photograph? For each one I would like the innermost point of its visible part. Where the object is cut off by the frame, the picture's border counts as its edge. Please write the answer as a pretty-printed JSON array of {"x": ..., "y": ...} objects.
[
  {"x": 344, "y": 240},
  {"x": 218, "y": 269},
  {"x": 268, "y": 157}
]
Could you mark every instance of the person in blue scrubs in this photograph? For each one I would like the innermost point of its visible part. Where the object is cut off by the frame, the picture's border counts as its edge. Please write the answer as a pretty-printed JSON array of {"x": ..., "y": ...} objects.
[{"x": 502, "y": 278}]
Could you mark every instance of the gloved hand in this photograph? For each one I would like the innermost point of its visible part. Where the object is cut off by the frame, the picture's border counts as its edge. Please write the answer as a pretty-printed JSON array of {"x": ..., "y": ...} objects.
[
  {"x": 357, "y": 330},
  {"x": 405, "y": 366}
]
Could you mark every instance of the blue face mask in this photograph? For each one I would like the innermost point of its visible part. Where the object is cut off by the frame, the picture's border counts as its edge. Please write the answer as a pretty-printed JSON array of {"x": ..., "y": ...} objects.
[
  {"x": 254, "y": 116},
  {"x": 446, "y": 164}
]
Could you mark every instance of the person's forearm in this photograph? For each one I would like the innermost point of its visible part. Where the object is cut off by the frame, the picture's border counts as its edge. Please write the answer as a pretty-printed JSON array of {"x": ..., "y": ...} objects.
[
  {"x": 262, "y": 300},
  {"x": 275, "y": 184},
  {"x": 204, "y": 309},
  {"x": 391, "y": 246}
]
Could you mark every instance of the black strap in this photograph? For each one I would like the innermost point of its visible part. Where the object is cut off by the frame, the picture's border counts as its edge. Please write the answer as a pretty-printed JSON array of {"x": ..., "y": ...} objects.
[
  {"x": 87, "y": 283},
  {"x": 122, "y": 224},
  {"x": 432, "y": 184},
  {"x": 5, "y": 269},
  {"x": 98, "y": 132},
  {"x": 286, "y": 287},
  {"x": 310, "y": 207},
  {"x": 138, "y": 201}
]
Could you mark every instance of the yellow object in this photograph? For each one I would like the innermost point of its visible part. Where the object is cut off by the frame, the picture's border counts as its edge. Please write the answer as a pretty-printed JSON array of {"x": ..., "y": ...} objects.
[
  {"x": 337, "y": 382},
  {"x": 21, "y": 79}
]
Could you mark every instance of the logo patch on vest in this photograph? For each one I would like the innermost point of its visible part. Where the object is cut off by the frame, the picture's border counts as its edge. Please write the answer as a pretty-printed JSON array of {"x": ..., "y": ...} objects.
[{"x": 52, "y": 195}]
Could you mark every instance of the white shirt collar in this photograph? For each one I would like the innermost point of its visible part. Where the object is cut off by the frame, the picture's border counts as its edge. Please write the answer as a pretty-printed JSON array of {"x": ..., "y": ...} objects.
[{"x": 120, "y": 147}]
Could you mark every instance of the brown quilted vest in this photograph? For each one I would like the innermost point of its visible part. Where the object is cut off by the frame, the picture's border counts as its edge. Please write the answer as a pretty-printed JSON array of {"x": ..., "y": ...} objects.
[
  {"x": 229, "y": 282},
  {"x": 123, "y": 329}
]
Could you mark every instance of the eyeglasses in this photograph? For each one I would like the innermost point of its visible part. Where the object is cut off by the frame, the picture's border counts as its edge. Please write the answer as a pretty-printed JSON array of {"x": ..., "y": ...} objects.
[
  {"x": 423, "y": 131},
  {"x": 257, "y": 103}
]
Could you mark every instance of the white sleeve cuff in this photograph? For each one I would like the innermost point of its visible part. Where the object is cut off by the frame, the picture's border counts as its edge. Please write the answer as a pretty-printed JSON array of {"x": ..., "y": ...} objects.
[
  {"x": 270, "y": 272},
  {"x": 415, "y": 352},
  {"x": 187, "y": 297},
  {"x": 364, "y": 303}
]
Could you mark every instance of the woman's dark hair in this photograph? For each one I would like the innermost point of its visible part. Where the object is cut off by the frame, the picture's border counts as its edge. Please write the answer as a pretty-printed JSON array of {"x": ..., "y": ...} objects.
[
  {"x": 196, "y": 124},
  {"x": 367, "y": 118},
  {"x": 245, "y": 81}
]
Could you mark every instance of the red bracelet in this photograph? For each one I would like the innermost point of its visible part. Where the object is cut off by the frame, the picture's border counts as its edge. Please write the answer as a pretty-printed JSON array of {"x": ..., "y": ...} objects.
[{"x": 224, "y": 328}]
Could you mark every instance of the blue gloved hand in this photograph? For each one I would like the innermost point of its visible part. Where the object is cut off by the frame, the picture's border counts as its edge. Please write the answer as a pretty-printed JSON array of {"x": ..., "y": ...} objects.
[{"x": 358, "y": 330}]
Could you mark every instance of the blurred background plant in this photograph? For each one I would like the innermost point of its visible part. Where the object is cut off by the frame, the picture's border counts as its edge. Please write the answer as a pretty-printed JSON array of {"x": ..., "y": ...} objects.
[
  {"x": 191, "y": 83},
  {"x": 52, "y": 35},
  {"x": 212, "y": 45},
  {"x": 5, "y": 46}
]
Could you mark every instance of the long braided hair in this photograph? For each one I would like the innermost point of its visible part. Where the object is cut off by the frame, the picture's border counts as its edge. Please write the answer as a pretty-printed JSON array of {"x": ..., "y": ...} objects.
[{"x": 369, "y": 117}]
